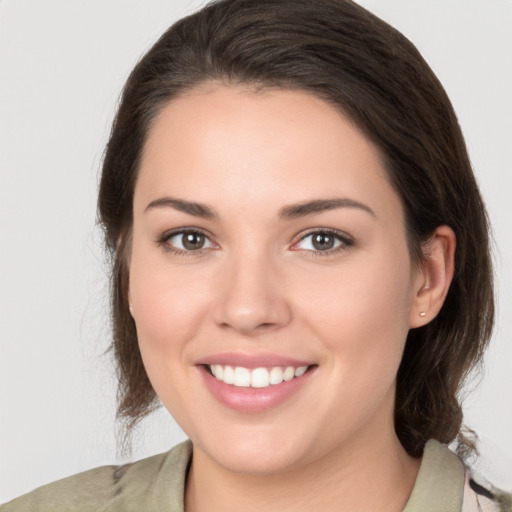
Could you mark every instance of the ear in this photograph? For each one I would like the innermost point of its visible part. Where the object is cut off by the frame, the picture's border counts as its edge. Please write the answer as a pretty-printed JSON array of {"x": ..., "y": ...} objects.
[{"x": 433, "y": 277}]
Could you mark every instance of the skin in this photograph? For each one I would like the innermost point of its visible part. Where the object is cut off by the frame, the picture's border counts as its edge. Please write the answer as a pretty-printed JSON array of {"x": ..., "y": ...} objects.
[{"x": 259, "y": 286}]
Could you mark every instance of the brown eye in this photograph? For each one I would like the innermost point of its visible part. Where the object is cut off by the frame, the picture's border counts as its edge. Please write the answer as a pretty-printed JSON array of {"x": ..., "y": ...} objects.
[
  {"x": 323, "y": 241},
  {"x": 189, "y": 241},
  {"x": 193, "y": 241}
]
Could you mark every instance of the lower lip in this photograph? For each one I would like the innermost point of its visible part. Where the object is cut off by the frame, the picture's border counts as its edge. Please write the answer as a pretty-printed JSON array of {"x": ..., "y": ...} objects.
[{"x": 253, "y": 400}]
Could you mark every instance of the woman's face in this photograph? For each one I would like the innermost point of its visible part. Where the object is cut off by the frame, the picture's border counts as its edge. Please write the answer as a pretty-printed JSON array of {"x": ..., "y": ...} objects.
[{"x": 269, "y": 248}]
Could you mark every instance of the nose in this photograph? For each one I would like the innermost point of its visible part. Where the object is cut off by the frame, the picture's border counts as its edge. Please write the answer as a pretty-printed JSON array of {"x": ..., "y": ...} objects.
[{"x": 251, "y": 297}]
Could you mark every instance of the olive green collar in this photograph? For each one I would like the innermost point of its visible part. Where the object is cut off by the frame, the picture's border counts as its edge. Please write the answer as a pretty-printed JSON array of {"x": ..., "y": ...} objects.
[
  {"x": 439, "y": 485},
  {"x": 440, "y": 482}
]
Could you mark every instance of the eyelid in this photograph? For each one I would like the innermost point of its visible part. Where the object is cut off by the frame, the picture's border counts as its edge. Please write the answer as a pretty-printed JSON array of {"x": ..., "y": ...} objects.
[
  {"x": 163, "y": 240},
  {"x": 345, "y": 239}
]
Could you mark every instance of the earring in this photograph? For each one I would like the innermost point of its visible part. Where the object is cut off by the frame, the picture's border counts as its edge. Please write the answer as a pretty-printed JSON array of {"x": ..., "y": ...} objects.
[{"x": 422, "y": 314}]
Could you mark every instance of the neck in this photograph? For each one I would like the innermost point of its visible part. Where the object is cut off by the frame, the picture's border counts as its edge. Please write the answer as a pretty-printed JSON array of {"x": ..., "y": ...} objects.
[{"x": 374, "y": 473}]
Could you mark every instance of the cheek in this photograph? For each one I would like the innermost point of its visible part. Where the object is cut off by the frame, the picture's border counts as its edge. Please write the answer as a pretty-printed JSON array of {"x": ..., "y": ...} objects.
[
  {"x": 363, "y": 292},
  {"x": 167, "y": 303},
  {"x": 361, "y": 314},
  {"x": 363, "y": 324}
]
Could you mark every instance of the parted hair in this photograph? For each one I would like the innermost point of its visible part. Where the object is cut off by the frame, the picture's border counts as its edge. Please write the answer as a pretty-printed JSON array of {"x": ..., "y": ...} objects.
[{"x": 360, "y": 65}]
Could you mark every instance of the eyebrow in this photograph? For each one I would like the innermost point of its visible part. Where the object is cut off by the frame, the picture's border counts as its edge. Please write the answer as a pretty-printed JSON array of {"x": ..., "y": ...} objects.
[
  {"x": 195, "y": 209},
  {"x": 292, "y": 211},
  {"x": 321, "y": 205}
]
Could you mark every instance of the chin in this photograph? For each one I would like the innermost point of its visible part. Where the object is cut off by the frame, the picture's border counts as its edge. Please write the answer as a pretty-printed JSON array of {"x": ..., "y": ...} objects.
[
  {"x": 255, "y": 453},
  {"x": 256, "y": 462}
]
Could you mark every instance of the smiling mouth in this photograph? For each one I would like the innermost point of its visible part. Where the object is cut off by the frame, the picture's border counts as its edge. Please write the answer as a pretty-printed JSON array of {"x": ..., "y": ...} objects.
[{"x": 263, "y": 377}]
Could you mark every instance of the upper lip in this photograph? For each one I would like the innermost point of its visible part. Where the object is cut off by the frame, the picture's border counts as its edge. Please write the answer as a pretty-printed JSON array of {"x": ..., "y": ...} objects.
[{"x": 247, "y": 360}]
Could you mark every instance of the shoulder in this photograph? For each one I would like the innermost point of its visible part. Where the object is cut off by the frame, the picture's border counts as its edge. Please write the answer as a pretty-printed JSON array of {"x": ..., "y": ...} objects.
[
  {"x": 480, "y": 498},
  {"x": 444, "y": 483},
  {"x": 149, "y": 484}
]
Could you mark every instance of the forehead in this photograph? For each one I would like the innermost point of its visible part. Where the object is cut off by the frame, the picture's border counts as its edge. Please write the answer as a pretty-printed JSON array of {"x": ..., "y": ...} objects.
[{"x": 224, "y": 142}]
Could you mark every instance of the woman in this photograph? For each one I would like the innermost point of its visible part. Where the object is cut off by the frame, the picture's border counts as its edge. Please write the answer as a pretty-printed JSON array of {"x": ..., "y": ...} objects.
[{"x": 301, "y": 270}]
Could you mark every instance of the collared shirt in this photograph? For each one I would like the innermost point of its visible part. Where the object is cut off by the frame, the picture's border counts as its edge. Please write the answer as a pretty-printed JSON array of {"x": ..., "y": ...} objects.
[{"x": 158, "y": 483}]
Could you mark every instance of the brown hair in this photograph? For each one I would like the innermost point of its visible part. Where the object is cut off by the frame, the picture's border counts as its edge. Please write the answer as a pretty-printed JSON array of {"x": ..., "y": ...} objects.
[{"x": 345, "y": 55}]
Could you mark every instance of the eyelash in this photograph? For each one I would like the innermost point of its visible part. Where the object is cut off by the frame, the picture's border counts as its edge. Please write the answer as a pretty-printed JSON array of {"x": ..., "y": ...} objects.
[
  {"x": 346, "y": 241},
  {"x": 163, "y": 241}
]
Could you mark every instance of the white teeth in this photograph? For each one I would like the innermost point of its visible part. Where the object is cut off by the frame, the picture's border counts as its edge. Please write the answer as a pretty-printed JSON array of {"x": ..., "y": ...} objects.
[
  {"x": 218, "y": 371},
  {"x": 289, "y": 373},
  {"x": 257, "y": 378},
  {"x": 260, "y": 378},
  {"x": 229, "y": 375},
  {"x": 242, "y": 377},
  {"x": 300, "y": 371},
  {"x": 276, "y": 375}
]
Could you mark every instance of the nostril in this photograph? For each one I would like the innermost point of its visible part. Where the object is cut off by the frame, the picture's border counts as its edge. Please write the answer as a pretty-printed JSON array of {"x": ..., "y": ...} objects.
[{"x": 266, "y": 325}]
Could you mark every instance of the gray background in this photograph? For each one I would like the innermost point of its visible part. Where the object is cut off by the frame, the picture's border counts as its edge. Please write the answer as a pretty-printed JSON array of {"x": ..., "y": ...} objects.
[{"x": 62, "y": 65}]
